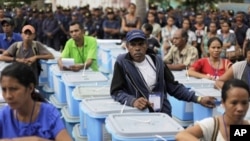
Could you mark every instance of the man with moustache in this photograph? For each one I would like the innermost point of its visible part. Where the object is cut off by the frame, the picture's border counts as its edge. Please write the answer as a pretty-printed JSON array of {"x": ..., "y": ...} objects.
[{"x": 142, "y": 80}]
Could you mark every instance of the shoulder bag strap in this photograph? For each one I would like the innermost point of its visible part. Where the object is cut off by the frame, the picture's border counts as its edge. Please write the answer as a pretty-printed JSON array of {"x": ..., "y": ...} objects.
[{"x": 216, "y": 129}]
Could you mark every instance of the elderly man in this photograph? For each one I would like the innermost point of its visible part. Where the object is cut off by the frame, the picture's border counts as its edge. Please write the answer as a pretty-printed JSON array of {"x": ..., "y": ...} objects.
[
  {"x": 142, "y": 80},
  {"x": 181, "y": 54}
]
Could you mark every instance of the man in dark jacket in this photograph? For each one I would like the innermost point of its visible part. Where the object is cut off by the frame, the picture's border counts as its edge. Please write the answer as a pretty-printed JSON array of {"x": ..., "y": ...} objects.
[{"x": 142, "y": 80}]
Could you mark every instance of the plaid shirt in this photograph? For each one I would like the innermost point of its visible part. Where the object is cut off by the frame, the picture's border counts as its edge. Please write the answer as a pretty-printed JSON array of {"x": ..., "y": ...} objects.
[{"x": 187, "y": 56}]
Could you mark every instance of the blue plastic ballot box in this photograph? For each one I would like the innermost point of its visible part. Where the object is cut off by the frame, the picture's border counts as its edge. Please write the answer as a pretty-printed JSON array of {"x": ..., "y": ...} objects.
[
  {"x": 142, "y": 127},
  {"x": 58, "y": 84},
  {"x": 71, "y": 80},
  {"x": 82, "y": 92},
  {"x": 77, "y": 135},
  {"x": 106, "y": 60},
  {"x": 201, "y": 112},
  {"x": 45, "y": 64},
  {"x": 96, "y": 110},
  {"x": 70, "y": 121}
]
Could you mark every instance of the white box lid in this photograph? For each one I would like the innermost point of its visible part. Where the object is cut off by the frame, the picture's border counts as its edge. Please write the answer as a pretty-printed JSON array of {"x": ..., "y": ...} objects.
[
  {"x": 140, "y": 125},
  {"x": 109, "y": 46},
  {"x": 81, "y": 92},
  {"x": 78, "y": 78},
  {"x": 3, "y": 65},
  {"x": 108, "y": 41},
  {"x": 56, "y": 70},
  {"x": 101, "y": 107}
]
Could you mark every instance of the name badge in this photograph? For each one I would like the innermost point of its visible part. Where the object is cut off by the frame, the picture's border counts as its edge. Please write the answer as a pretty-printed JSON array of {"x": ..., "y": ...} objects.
[
  {"x": 199, "y": 40},
  {"x": 155, "y": 98}
]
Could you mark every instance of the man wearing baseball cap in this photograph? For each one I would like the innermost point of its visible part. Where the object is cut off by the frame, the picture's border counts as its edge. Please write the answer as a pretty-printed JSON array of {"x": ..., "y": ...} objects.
[
  {"x": 141, "y": 79},
  {"x": 27, "y": 51},
  {"x": 8, "y": 37}
]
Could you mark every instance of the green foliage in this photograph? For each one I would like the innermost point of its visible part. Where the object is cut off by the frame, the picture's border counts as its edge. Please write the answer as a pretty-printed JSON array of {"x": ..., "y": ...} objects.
[
  {"x": 198, "y": 4},
  {"x": 13, "y": 3},
  {"x": 161, "y": 3}
]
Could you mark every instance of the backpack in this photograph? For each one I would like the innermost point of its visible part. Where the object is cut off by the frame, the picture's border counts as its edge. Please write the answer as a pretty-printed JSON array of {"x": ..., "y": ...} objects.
[{"x": 35, "y": 51}]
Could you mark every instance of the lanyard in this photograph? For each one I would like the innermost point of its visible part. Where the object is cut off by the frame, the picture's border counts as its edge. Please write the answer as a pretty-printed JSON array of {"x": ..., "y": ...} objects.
[
  {"x": 215, "y": 70},
  {"x": 32, "y": 112},
  {"x": 81, "y": 56}
]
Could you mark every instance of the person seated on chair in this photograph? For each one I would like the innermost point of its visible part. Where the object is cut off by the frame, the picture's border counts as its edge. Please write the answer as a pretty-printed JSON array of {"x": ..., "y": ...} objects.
[{"x": 83, "y": 49}]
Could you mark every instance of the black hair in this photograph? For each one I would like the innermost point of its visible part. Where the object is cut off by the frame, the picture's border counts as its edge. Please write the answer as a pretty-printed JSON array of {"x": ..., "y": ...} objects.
[
  {"x": 171, "y": 17},
  {"x": 212, "y": 23},
  {"x": 214, "y": 39},
  {"x": 186, "y": 19},
  {"x": 228, "y": 23},
  {"x": 25, "y": 76},
  {"x": 148, "y": 27},
  {"x": 76, "y": 22},
  {"x": 131, "y": 4},
  {"x": 231, "y": 84},
  {"x": 184, "y": 34}
]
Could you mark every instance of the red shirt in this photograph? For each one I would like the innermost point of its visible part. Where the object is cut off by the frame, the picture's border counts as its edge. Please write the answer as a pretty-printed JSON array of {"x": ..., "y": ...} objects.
[{"x": 204, "y": 66}]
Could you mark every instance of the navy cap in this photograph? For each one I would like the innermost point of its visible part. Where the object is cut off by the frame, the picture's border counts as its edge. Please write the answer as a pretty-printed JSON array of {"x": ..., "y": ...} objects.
[{"x": 135, "y": 34}]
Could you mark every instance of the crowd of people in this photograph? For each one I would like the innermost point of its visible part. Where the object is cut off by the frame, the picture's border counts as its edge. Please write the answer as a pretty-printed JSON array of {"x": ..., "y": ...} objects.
[
  {"x": 113, "y": 23},
  {"x": 205, "y": 43}
]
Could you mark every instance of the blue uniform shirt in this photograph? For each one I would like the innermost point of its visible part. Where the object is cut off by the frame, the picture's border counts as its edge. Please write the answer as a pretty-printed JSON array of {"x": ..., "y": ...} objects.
[
  {"x": 47, "y": 125},
  {"x": 5, "y": 44}
]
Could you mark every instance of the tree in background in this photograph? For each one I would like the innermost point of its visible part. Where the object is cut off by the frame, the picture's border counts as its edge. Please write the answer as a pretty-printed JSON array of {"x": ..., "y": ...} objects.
[
  {"x": 15, "y": 3},
  {"x": 199, "y": 4},
  {"x": 141, "y": 8}
]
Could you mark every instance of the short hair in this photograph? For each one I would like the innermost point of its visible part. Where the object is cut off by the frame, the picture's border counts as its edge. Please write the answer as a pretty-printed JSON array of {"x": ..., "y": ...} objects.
[
  {"x": 76, "y": 23},
  {"x": 232, "y": 83},
  {"x": 148, "y": 27},
  {"x": 227, "y": 22},
  {"x": 24, "y": 75}
]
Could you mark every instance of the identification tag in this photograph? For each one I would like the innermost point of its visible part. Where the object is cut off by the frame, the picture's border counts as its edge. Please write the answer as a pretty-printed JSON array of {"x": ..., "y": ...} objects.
[{"x": 155, "y": 98}]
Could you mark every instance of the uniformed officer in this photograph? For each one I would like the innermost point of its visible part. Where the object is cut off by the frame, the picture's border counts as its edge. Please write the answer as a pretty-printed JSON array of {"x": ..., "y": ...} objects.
[{"x": 51, "y": 29}]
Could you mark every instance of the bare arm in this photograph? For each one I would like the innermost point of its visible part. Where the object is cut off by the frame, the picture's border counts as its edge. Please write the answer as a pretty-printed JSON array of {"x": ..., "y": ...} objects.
[
  {"x": 192, "y": 72},
  {"x": 176, "y": 66},
  {"x": 226, "y": 76},
  {"x": 6, "y": 57},
  {"x": 193, "y": 133},
  {"x": 63, "y": 136}
]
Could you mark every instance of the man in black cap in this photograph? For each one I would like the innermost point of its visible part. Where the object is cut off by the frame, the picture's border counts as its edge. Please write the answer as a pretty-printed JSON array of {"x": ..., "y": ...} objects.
[
  {"x": 8, "y": 37},
  {"x": 142, "y": 80},
  {"x": 51, "y": 29},
  {"x": 19, "y": 20},
  {"x": 98, "y": 20},
  {"x": 88, "y": 24},
  {"x": 111, "y": 26}
]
